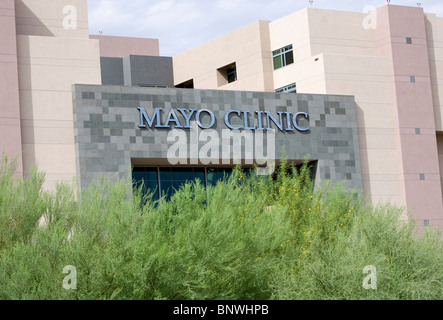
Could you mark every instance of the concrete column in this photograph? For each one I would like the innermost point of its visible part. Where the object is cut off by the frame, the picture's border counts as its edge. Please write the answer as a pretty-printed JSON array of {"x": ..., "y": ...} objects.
[{"x": 413, "y": 100}]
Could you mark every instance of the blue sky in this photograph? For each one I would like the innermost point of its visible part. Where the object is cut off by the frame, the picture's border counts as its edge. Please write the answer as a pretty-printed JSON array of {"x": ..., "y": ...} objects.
[{"x": 183, "y": 24}]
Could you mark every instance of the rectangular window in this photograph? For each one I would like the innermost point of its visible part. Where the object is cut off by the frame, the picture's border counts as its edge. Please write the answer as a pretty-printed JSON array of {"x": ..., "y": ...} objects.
[
  {"x": 408, "y": 40},
  {"x": 186, "y": 85},
  {"x": 217, "y": 174},
  {"x": 227, "y": 74},
  {"x": 152, "y": 86},
  {"x": 283, "y": 57},
  {"x": 292, "y": 88},
  {"x": 232, "y": 74},
  {"x": 165, "y": 181},
  {"x": 147, "y": 179}
]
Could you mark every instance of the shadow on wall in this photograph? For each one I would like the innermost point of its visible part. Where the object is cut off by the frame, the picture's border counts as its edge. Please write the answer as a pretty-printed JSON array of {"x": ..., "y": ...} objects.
[
  {"x": 27, "y": 23},
  {"x": 363, "y": 142}
]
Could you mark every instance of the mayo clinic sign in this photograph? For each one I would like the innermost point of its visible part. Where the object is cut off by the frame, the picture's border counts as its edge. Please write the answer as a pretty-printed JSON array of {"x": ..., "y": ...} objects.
[
  {"x": 155, "y": 127},
  {"x": 263, "y": 120}
]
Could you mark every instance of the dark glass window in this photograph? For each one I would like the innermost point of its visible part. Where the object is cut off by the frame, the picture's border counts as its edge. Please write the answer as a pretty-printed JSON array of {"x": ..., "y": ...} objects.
[
  {"x": 165, "y": 174},
  {"x": 186, "y": 85},
  {"x": 232, "y": 74},
  {"x": 138, "y": 176},
  {"x": 292, "y": 88},
  {"x": 227, "y": 74},
  {"x": 182, "y": 174},
  {"x": 218, "y": 174},
  {"x": 199, "y": 174},
  {"x": 147, "y": 178},
  {"x": 166, "y": 181}
]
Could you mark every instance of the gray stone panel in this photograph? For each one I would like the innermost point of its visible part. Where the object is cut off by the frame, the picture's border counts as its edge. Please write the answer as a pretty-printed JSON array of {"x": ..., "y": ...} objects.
[
  {"x": 148, "y": 71},
  {"x": 145, "y": 71},
  {"x": 112, "y": 71},
  {"x": 107, "y": 133}
]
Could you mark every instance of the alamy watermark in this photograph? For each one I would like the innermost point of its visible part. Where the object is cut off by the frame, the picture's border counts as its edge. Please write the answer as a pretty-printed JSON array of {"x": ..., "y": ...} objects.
[
  {"x": 226, "y": 149},
  {"x": 370, "y": 20},
  {"x": 370, "y": 281},
  {"x": 70, "y": 17},
  {"x": 70, "y": 281}
]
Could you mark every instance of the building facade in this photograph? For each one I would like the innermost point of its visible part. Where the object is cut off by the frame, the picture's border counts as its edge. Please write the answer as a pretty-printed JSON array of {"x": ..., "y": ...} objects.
[
  {"x": 360, "y": 93},
  {"x": 390, "y": 60},
  {"x": 111, "y": 136}
]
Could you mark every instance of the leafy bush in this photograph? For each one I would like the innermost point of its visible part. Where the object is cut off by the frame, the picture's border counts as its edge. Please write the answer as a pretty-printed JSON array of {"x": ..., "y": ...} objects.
[{"x": 249, "y": 237}]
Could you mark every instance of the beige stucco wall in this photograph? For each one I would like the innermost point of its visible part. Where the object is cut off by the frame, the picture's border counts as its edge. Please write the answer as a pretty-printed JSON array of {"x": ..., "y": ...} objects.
[
  {"x": 46, "y": 18},
  {"x": 10, "y": 127},
  {"x": 305, "y": 71},
  {"x": 48, "y": 66},
  {"x": 339, "y": 32},
  {"x": 374, "y": 65},
  {"x": 335, "y": 54},
  {"x": 248, "y": 47},
  {"x": 124, "y": 46}
]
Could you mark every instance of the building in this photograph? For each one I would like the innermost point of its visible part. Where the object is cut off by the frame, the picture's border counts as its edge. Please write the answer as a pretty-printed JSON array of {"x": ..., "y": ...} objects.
[
  {"x": 359, "y": 92},
  {"x": 390, "y": 60}
]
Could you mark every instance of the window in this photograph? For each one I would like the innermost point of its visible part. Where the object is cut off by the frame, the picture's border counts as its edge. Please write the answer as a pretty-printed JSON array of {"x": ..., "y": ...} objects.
[
  {"x": 171, "y": 179},
  {"x": 227, "y": 74},
  {"x": 412, "y": 78},
  {"x": 165, "y": 181},
  {"x": 292, "y": 88},
  {"x": 408, "y": 40},
  {"x": 148, "y": 178},
  {"x": 216, "y": 174},
  {"x": 283, "y": 57},
  {"x": 232, "y": 74},
  {"x": 186, "y": 85},
  {"x": 152, "y": 86}
]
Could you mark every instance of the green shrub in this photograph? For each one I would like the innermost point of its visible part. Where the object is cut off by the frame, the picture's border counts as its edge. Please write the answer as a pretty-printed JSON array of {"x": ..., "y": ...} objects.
[{"x": 249, "y": 237}]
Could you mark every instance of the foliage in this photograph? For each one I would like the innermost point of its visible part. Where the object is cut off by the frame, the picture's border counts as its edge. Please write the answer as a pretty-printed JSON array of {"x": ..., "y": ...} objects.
[{"x": 249, "y": 237}]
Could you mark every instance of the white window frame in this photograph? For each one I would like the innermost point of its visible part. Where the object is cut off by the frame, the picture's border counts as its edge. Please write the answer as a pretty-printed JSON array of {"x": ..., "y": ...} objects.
[
  {"x": 292, "y": 88},
  {"x": 282, "y": 52}
]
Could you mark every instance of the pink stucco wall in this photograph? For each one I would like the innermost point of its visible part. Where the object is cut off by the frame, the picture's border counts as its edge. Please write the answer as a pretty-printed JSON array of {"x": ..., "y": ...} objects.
[
  {"x": 122, "y": 46},
  {"x": 10, "y": 131},
  {"x": 414, "y": 103}
]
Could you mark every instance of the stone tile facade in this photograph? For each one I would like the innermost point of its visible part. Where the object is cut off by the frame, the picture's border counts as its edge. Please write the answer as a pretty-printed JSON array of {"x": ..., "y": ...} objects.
[{"x": 108, "y": 137}]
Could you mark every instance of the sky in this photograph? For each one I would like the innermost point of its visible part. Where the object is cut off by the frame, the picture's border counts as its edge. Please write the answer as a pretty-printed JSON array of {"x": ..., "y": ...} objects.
[{"x": 184, "y": 24}]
